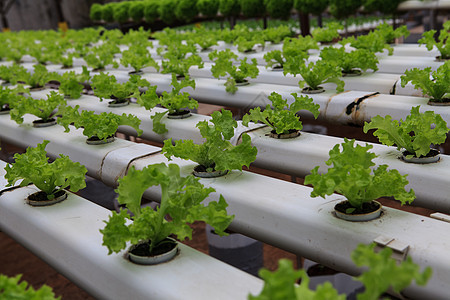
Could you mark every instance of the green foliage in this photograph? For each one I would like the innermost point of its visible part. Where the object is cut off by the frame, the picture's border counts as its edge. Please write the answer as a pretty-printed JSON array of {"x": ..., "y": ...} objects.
[
  {"x": 33, "y": 167},
  {"x": 389, "y": 34},
  {"x": 11, "y": 289},
  {"x": 102, "y": 125},
  {"x": 292, "y": 47},
  {"x": 384, "y": 272},
  {"x": 341, "y": 9},
  {"x": 281, "y": 285},
  {"x": 415, "y": 134},
  {"x": 9, "y": 74},
  {"x": 229, "y": 8},
  {"x": 252, "y": 8},
  {"x": 315, "y": 7},
  {"x": 387, "y": 7},
  {"x": 108, "y": 12},
  {"x": 181, "y": 199},
  {"x": 351, "y": 175},
  {"x": 315, "y": 74},
  {"x": 208, "y": 8},
  {"x": 282, "y": 117},
  {"x": 216, "y": 153},
  {"x": 432, "y": 83},
  {"x": 279, "y": 9},
  {"x": 177, "y": 61},
  {"x": 136, "y": 38},
  {"x": 166, "y": 11},
  {"x": 247, "y": 43},
  {"x": 41, "y": 108},
  {"x": 9, "y": 97},
  {"x": 136, "y": 10},
  {"x": 349, "y": 61},
  {"x": 71, "y": 83},
  {"x": 327, "y": 34},
  {"x": 101, "y": 56},
  {"x": 36, "y": 79},
  {"x": 376, "y": 41},
  {"x": 237, "y": 74},
  {"x": 95, "y": 12},
  {"x": 276, "y": 34},
  {"x": 203, "y": 37},
  {"x": 151, "y": 10},
  {"x": 120, "y": 11},
  {"x": 175, "y": 102},
  {"x": 106, "y": 86},
  {"x": 443, "y": 43},
  {"x": 138, "y": 57},
  {"x": 186, "y": 10}
]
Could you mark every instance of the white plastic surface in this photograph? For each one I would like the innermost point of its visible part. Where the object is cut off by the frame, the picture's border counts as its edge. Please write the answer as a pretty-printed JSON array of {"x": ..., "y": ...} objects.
[
  {"x": 283, "y": 214},
  {"x": 67, "y": 236},
  {"x": 3, "y": 181}
]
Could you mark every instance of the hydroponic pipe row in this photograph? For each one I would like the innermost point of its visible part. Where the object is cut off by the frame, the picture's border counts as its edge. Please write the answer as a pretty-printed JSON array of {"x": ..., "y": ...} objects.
[{"x": 291, "y": 220}]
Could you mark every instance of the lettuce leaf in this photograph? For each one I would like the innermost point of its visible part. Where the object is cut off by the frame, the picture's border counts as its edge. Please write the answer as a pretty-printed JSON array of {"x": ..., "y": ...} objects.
[
  {"x": 348, "y": 61},
  {"x": 41, "y": 108},
  {"x": 317, "y": 73},
  {"x": 10, "y": 288}
]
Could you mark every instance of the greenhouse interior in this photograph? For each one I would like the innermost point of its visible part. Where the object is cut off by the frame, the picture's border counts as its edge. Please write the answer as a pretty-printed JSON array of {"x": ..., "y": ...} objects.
[{"x": 303, "y": 145}]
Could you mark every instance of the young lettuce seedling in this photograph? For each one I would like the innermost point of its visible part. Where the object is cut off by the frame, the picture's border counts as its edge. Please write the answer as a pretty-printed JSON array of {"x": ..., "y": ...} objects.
[
  {"x": 175, "y": 102},
  {"x": 101, "y": 126},
  {"x": 277, "y": 34},
  {"x": 281, "y": 284},
  {"x": 216, "y": 153},
  {"x": 350, "y": 62},
  {"x": 138, "y": 57},
  {"x": 177, "y": 61},
  {"x": 38, "y": 78},
  {"x": 294, "y": 49},
  {"x": 10, "y": 97},
  {"x": 106, "y": 86},
  {"x": 352, "y": 176},
  {"x": 100, "y": 56},
  {"x": 444, "y": 40},
  {"x": 434, "y": 84},
  {"x": 181, "y": 199},
  {"x": 50, "y": 178},
  {"x": 280, "y": 116},
  {"x": 44, "y": 109},
  {"x": 315, "y": 74},
  {"x": 327, "y": 34},
  {"x": 71, "y": 83},
  {"x": 237, "y": 74},
  {"x": 10, "y": 288},
  {"x": 414, "y": 135}
]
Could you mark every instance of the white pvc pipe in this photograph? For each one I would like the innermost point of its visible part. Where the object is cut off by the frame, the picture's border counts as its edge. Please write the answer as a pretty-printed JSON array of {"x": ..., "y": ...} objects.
[
  {"x": 66, "y": 235},
  {"x": 283, "y": 214}
]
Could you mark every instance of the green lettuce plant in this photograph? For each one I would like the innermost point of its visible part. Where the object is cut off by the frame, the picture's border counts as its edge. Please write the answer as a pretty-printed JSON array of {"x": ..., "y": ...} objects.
[
  {"x": 138, "y": 57},
  {"x": 36, "y": 79},
  {"x": 350, "y": 62},
  {"x": 203, "y": 37},
  {"x": 176, "y": 59},
  {"x": 277, "y": 34},
  {"x": 136, "y": 11},
  {"x": 166, "y": 11},
  {"x": 216, "y": 153},
  {"x": 186, "y": 10},
  {"x": 383, "y": 273},
  {"x": 175, "y": 102},
  {"x": 223, "y": 65},
  {"x": 71, "y": 83},
  {"x": 9, "y": 73},
  {"x": 120, "y": 11},
  {"x": 33, "y": 167},
  {"x": 327, "y": 34},
  {"x": 151, "y": 10},
  {"x": 279, "y": 9},
  {"x": 352, "y": 175},
  {"x": 208, "y": 8},
  {"x": 10, "y": 288},
  {"x": 99, "y": 126},
  {"x": 181, "y": 199},
  {"x": 414, "y": 135},
  {"x": 229, "y": 8},
  {"x": 106, "y": 86},
  {"x": 315, "y": 74},
  {"x": 434, "y": 84},
  {"x": 10, "y": 97},
  {"x": 280, "y": 116},
  {"x": 443, "y": 43},
  {"x": 101, "y": 56},
  {"x": 44, "y": 109}
]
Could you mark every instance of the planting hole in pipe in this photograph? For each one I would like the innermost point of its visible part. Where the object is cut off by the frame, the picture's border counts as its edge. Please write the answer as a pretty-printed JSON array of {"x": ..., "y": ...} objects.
[
  {"x": 444, "y": 102},
  {"x": 118, "y": 103},
  {"x": 44, "y": 123},
  {"x": 431, "y": 157},
  {"x": 179, "y": 115},
  {"x": 40, "y": 198},
  {"x": 94, "y": 140},
  {"x": 163, "y": 252},
  {"x": 369, "y": 211},
  {"x": 201, "y": 171},
  {"x": 309, "y": 90},
  {"x": 289, "y": 135}
]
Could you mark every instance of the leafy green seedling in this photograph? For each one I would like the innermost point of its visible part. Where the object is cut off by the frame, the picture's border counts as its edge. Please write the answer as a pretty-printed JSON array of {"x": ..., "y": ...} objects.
[
  {"x": 328, "y": 33},
  {"x": 443, "y": 43},
  {"x": 280, "y": 116},
  {"x": 277, "y": 34},
  {"x": 434, "y": 84},
  {"x": 10, "y": 97},
  {"x": 176, "y": 59},
  {"x": 100, "y": 56},
  {"x": 71, "y": 83},
  {"x": 350, "y": 62},
  {"x": 106, "y": 86},
  {"x": 33, "y": 167},
  {"x": 315, "y": 74},
  {"x": 216, "y": 153},
  {"x": 10, "y": 288},
  {"x": 223, "y": 65},
  {"x": 100, "y": 126},
  {"x": 175, "y": 102},
  {"x": 138, "y": 57},
  {"x": 414, "y": 135},
  {"x": 44, "y": 109},
  {"x": 38, "y": 78},
  {"x": 351, "y": 175},
  {"x": 181, "y": 199}
]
